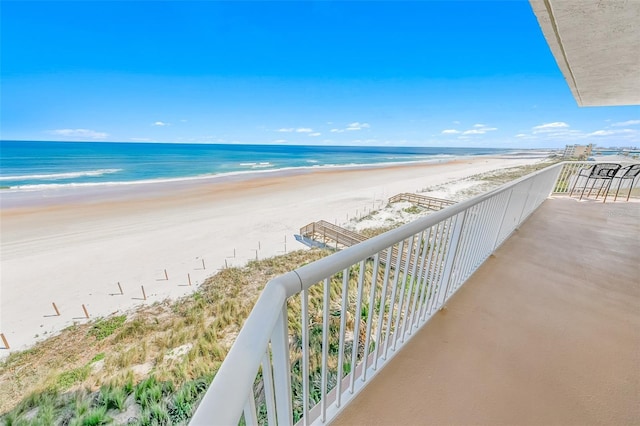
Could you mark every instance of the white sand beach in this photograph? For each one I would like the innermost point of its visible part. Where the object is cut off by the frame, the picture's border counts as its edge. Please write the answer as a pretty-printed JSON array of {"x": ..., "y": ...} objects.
[{"x": 75, "y": 252}]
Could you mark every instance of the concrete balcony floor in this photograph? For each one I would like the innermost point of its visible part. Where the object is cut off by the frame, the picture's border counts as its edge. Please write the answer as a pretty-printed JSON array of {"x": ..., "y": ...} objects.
[{"x": 546, "y": 332}]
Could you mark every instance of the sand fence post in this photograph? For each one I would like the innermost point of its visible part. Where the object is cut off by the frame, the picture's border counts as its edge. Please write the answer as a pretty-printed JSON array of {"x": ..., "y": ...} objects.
[
  {"x": 4, "y": 341},
  {"x": 225, "y": 264},
  {"x": 55, "y": 308},
  {"x": 234, "y": 253},
  {"x": 86, "y": 313},
  {"x": 144, "y": 295},
  {"x": 166, "y": 276},
  {"x": 189, "y": 278},
  {"x": 203, "y": 267},
  {"x": 120, "y": 287},
  {"x": 259, "y": 248},
  {"x": 285, "y": 243}
]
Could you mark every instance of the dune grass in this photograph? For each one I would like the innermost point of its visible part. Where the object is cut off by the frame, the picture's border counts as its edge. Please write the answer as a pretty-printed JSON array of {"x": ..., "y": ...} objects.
[
  {"x": 126, "y": 364},
  {"x": 484, "y": 182}
]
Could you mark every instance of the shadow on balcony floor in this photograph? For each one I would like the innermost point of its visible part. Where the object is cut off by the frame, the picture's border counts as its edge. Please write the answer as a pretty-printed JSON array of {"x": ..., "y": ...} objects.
[{"x": 547, "y": 331}]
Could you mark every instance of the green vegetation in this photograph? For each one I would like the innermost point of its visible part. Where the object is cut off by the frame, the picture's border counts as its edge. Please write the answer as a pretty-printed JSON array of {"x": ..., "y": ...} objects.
[
  {"x": 69, "y": 378},
  {"x": 413, "y": 210},
  {"x": 60, "y": 381},
  {"x": 104, "y": 328},
  {"x": 98, "y": 357},
  {"x": 372, "y": 232},
  {"x": 483, "y": 182}
]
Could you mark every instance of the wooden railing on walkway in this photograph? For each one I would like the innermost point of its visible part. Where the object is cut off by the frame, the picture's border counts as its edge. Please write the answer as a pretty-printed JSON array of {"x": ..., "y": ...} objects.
[
  {"x": 337, "y": 237},
  {"x": 327, "y": 232},
  {"x": 430, "y": 203}
]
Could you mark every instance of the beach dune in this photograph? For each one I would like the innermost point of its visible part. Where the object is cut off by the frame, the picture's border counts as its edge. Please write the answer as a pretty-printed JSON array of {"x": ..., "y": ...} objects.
[{"x": 76, "y": 252}]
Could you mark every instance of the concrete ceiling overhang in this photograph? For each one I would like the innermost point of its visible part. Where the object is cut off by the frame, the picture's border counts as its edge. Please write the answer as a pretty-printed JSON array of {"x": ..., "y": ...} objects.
[{"x": 596, "y": 44}]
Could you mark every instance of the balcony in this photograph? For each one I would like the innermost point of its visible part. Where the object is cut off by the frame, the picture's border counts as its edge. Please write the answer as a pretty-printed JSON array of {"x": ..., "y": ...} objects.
[
  {"x": 547, "y": 331},
  {"x": 511, "y": 307}
]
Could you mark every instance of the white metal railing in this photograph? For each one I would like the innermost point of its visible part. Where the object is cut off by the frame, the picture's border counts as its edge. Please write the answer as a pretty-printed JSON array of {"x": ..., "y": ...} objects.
[
  {"x": 569, "y": 179},
  {"x": 319, "y": 334}
]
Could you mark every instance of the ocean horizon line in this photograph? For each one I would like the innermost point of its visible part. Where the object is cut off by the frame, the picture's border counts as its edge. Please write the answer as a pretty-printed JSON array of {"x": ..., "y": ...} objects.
[{"x": 274, "y": 144}]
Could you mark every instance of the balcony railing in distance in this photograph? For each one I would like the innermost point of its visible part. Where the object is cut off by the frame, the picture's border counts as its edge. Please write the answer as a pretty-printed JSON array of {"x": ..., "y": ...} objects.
[{"x": 319, "y": 334}]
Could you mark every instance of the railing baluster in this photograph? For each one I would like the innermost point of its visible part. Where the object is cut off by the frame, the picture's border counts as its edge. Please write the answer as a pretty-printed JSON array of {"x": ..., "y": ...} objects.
[
  {"x": 414, "y": 281},
  {"x": 420, "y": 283},
  {"x": 484, "y": 213},
  {"x": 325, "y": 346},
  {"x": 405, "y": 277},
  {"x": 282, "y": 369},
  {"x": 469, "y": 231},
  {"x": 382, "y": 309},
  {"x": 452, "y": 253},
  {"x": 433, "y": 254},
  {"x": 356, "y": 327},
  {"x": 304, "y": 300},
  {"x": 343, "y": 324},
  {"x": 441, "y": 255},
  {"x": 442, "y": 247},
  {"x": 250, "y": 412},
  {"x": 372, "y": 297},
  {"x": 425, "y": 275},
  {"x": 269, "y": 396},
  {"x": 392, "y": 301}
]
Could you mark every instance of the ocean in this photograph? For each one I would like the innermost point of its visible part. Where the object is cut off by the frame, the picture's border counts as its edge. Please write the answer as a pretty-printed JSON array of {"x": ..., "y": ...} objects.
[{"x": 40, "y": 166}]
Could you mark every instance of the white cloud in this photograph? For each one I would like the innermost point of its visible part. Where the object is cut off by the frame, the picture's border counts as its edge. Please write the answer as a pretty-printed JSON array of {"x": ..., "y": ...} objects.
[
  {"x": 626, "y": 123},
  {"x": 479, "y": 129},
  {"x": 160, "y": 123},
  {"x": 293, "y": 129},
  {"x": 357, "y": 126},
  {"x": 315, "y": 134},
  {"x": 601, "y": 133},
  {"x": 140, "y": 139},
  {"x": 611, "y": 132},
  {"x": 79, "y": 133},
  {"x": 561, "y": 132},
  {"x": 280, "y": 141},
  {"x": 550, "y": 127}
]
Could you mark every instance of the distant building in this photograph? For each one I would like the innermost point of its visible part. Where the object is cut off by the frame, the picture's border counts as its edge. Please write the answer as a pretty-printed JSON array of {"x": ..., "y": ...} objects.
[{"x": 580, "y": 152}]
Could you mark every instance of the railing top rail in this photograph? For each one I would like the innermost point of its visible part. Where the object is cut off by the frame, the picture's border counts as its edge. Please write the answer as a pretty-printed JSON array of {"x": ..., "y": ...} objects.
[{"x": 226, "y": 396}]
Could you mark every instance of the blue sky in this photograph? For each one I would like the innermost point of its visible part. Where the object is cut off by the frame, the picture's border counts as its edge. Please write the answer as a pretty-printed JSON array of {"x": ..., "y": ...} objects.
[{"x": 424, "y": 73}]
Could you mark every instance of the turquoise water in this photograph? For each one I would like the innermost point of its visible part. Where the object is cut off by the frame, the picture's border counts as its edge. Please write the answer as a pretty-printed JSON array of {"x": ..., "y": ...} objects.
[{"x": 34, "y": 166}]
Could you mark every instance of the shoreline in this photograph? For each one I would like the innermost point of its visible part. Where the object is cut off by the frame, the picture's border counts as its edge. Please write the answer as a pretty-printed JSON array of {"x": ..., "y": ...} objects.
[
  {"x": 39, "y": 195},
  {"x": 76, "y": 253},
  {"x": 44, "y": 195}
]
